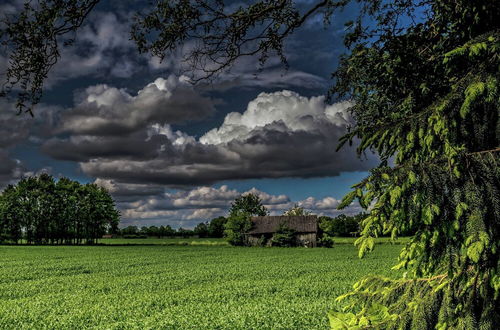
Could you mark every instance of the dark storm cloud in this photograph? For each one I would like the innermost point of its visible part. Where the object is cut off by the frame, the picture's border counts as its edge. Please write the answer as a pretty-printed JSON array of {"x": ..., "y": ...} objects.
[
  {"x": 21, "y": 128},
  {"x": 104, "y": 110},
  {"x": 280, "y": 134},
  {"x": 82, "y": 148},
  {"x": 10, "y": 169}
]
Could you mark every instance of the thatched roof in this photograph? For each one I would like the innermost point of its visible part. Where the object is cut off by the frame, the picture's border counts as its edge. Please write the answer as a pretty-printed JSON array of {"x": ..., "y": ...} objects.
[{"x": 269, "y": 224}]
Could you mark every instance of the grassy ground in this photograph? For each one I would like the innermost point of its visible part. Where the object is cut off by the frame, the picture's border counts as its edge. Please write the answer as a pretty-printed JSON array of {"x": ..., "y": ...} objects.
[
  {"x": 216, "y": 241},
  {"x": 181, "y": 287},
  {"x": 164, "y": 241}
]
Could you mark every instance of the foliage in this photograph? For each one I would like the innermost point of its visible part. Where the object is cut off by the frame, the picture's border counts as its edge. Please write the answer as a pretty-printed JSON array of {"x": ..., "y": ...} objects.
[
  {"x": 166, "y": 231},
  {"x": 262, "y": 241},
  {"x": 284, "y": 237},
  {"x": 248, "y": 203},
  {"x": 213, "y": 228},
  {"x": 176, "y": 287},
  {"x": 42, "y": 211},
  {"x": 216, "y": 227},
  {"x": 201, "y": 230},
  {"x": 238, "y": 222},
  {"x": 342, "y": 225},
  {"x": 236, "y": 226},
  {"x": 34, "y": 37},
  {"x": 296, "y": 210},
  {"x": 426, "y": 98},
  {"x": 326, "y": 240},
  {"x": 184, "y": 232},
  {"x": 130, "y": 230}
]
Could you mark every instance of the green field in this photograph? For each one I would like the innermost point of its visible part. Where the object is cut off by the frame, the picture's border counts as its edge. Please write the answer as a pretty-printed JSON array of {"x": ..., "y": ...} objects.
[
  {"x": 219, "y": 241},
  {"x": 164, "y": 241},
  {"x": 181, "y": 287}
]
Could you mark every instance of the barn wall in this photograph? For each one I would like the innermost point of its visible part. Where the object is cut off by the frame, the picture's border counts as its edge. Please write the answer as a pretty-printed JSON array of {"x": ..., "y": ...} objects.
[
  {"x": 252, "y": 240},
  {"x": 308, "y": 239}
]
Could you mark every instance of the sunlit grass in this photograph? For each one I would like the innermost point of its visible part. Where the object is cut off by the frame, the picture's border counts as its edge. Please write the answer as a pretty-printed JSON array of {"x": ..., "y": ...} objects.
[{"x": 181, "y": 287}]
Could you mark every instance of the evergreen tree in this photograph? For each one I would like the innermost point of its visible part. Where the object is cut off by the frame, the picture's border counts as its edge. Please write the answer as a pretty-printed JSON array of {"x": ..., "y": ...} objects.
[{"x": 427, "y": 101}]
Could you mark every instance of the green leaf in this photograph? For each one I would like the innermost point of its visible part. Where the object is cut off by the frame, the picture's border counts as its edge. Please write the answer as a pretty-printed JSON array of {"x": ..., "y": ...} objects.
[
  {"x": 338, "y": 320},
  {"x": 475, "y": 250},
  {"x": 347, "y": 200}
]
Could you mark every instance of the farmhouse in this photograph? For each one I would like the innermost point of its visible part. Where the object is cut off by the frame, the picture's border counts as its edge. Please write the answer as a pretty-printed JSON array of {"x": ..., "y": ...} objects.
[{"x": 306, "y": 228}]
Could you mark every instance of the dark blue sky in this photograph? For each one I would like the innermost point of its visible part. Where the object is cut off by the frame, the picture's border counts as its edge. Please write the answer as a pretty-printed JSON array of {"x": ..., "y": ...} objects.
[{"x": 173, "y": 153}]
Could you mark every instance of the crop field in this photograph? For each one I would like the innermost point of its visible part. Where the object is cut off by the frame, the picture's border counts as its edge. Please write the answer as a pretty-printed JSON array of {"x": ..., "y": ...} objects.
[
  {"x": 220, "y": 241},
  {"x": 178, "y": 287},
  {"x": 164, "y": 241}
]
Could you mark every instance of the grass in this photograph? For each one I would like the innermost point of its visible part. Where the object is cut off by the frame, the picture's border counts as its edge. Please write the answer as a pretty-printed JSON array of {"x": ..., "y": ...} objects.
[
  {"x": 178, "y": 287},
  {"x": 164, "y": 241},
  {"x": 218, "y": 241}
]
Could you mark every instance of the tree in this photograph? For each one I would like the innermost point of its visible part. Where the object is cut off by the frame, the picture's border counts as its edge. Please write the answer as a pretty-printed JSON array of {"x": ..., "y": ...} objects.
[
  {"x": 166, "y": 231},
  {"x": 236, "y": 226},
  {"x": 185, "y": 233},
  {"x": 10, "y": 226},
  {"x": 238, "y": 222},
  {"x": 248, "y": 203},
  {"x": 144, "y": 231},
  {"x": 43, "y": 211},
  {"x": 154, "y": 231},
  {"x": 296, "y": 210},
  {"x": 201, "y": 230},
  {"x": 342, "y": 225},
  {"x": 216, "y": 227},
  {"x": 426, "y": 96},
  {"x": 284, "y": 237},
  {"x": 130, "y": 230}
]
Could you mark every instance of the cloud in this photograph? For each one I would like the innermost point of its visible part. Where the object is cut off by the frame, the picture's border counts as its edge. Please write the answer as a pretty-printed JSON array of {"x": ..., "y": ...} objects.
[
  {"x": 11, "y": 169},
  {"x": 104, "y": 110},
  {"x": 280, "y": 134},
  {"x": 186, "y": 208},
  {"x": 18, "y": 129},
  {"x": 102, "y": 47}
]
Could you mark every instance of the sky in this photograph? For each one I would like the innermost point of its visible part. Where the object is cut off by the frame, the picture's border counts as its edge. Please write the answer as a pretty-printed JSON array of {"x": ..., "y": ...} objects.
[{"x": 174, "y": 153}]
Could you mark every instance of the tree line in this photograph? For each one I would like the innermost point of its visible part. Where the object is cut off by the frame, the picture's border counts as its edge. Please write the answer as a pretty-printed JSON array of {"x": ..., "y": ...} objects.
[
  {"x": 41, "y": 210},
  {"x": 213, "y": 229}
]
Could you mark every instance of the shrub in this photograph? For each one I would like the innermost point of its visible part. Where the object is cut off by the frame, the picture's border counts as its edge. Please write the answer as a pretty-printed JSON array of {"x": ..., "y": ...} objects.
[
  {"x": 284, "y": 237},
  {"x": 326, "y": 241},
  {"x": 262, "y": 241},
  {"x": 236, "y": 226},
  {"x": 135, "y": 236}
]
